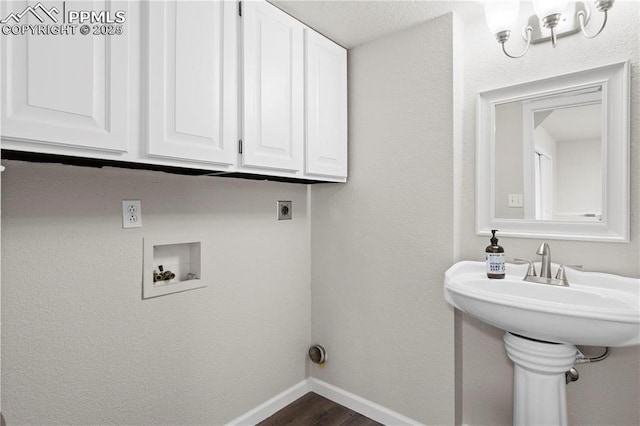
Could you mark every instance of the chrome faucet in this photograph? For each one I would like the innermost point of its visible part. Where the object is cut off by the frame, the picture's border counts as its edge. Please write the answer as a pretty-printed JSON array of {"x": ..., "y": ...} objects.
[{"x": 545, "y": 269}]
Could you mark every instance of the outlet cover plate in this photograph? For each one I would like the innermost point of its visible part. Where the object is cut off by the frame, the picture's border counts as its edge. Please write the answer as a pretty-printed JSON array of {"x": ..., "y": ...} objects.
[
  {"x": 284, "y": 210},
  {"x": 131, "y": 214}
]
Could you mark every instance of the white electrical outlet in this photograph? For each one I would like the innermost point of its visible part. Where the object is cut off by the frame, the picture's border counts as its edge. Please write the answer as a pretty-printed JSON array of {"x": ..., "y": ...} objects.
[{"x": 131, "y": 214}]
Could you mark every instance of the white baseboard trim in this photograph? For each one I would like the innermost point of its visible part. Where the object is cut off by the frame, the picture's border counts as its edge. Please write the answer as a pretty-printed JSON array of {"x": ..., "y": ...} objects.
[
  {"x": 356, "y": 403},
  {"x": 272, "y": 406},
  {"x": 352, "y": 401}
]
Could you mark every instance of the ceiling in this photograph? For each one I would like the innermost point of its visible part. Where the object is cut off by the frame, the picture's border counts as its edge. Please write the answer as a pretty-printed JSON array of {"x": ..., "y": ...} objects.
[
  {"x": 586, "y": 123},
  {"x": 354, "y": 22}
]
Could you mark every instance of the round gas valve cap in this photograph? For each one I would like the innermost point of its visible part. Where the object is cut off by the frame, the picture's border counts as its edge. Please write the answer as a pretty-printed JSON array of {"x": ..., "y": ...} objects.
[{"x": 317, "y": 354}]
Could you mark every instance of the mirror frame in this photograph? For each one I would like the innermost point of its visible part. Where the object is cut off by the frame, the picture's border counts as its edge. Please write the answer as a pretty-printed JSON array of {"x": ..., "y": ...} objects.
[{"x": 614, "y": 80}]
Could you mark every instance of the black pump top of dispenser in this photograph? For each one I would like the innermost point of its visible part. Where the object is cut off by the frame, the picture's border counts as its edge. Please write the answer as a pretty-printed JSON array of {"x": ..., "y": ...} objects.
[
  {"x": 494, "y": 240},
  {"x": 494, "y": 247}
]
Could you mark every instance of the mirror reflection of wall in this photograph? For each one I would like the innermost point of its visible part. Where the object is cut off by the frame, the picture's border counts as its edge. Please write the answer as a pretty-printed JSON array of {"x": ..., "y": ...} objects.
[
  {"x": 508, "y": 159},
  {"x": 573, "y": 181},
  {"x": 548, "y": 156}
]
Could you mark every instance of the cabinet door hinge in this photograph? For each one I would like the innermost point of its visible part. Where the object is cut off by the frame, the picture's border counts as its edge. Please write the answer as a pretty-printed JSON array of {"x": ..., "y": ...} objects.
[
  {"x": 240, "y": 8},
  {"x": 240, "y": 146}
]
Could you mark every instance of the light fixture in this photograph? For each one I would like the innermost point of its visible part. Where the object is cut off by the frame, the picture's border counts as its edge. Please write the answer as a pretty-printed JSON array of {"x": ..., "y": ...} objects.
[
  {"x": 559, "y": 17},
  {"x": 550, "y": 12}
]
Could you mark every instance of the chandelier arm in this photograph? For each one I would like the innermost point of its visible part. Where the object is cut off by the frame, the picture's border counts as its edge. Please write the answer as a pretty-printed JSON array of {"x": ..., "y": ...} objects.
[
  {"x": 581, "y": 16},
  {"x": 528, "y": 30}
]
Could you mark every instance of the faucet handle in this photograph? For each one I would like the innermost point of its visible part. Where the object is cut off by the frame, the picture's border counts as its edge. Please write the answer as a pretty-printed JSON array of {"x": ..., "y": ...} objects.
[
  {"x": 561, "y": 274},
  {"x": 531, "y": 272}
]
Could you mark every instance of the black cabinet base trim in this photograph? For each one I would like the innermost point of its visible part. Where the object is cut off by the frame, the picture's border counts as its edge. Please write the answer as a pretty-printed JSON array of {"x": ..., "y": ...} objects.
[{"x": 36, "y": 157}]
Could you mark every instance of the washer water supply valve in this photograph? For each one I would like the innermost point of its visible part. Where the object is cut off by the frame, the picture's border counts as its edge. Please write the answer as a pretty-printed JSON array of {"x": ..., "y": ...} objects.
[
  {"x": 318, "y": 355},
  {"x": 162, "y": 275}
]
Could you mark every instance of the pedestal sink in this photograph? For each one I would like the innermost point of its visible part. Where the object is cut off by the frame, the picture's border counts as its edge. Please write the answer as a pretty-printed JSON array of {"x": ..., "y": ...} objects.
[{"x": 544, "y": 323}]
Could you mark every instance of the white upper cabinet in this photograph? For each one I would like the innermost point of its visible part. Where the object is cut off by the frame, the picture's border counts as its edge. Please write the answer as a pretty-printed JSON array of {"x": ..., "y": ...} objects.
[
  {"x": 66, "y": 91},
  {"x": 273, "y": 83},
  {"x": 326, "y": 106},
  {"x": 192, "y": 81},
  {"x": 213, "y": 85}
]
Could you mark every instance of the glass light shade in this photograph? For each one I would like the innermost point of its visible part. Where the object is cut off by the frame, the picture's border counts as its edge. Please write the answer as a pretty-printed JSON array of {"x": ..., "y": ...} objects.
[
  {"x": 544, "y": 8},
  {"x": 501, "y": 15}
]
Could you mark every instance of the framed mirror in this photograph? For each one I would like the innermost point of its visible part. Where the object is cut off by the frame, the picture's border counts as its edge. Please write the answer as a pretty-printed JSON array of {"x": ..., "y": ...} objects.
[{"x": 552, "y": 157}]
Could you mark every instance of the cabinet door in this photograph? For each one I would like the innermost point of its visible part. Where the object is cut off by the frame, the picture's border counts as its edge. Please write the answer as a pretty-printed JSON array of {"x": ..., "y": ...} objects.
[
  {"x": 273, "y": 115},
  {"x": 192, "y": 94},
  {"x": 326, "y": 106},
  {"x": 66, "y": 90}
]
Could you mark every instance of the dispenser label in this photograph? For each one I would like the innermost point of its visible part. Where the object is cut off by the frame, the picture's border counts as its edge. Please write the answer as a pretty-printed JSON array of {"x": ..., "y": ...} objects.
[{"x": 495, "y": 263}]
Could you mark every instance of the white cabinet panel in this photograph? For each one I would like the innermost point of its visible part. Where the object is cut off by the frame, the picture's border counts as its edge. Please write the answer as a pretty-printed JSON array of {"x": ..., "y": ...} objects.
[
  {"x": 273, "y": 115},
  {"x": 326, "y": 106},
  {"x": 192, "y": 95},
  {"x": 65, "y": 90}
]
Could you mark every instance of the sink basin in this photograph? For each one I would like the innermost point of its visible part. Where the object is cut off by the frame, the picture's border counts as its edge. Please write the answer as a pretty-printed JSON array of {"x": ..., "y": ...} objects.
[{"x": 596, "y": 309}]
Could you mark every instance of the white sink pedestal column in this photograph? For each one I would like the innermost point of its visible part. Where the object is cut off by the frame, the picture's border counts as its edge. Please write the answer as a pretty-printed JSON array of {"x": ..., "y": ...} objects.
[{"x": 539, "y": 387}]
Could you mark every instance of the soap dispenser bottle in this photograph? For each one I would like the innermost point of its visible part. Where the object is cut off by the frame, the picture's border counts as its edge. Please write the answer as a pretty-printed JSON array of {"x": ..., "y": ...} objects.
[{"x": 495, "y": 258}]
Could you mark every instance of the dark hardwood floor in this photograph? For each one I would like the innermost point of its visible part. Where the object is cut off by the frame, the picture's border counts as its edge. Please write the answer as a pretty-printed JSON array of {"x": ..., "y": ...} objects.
[{"x": 315, "y": 410}]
